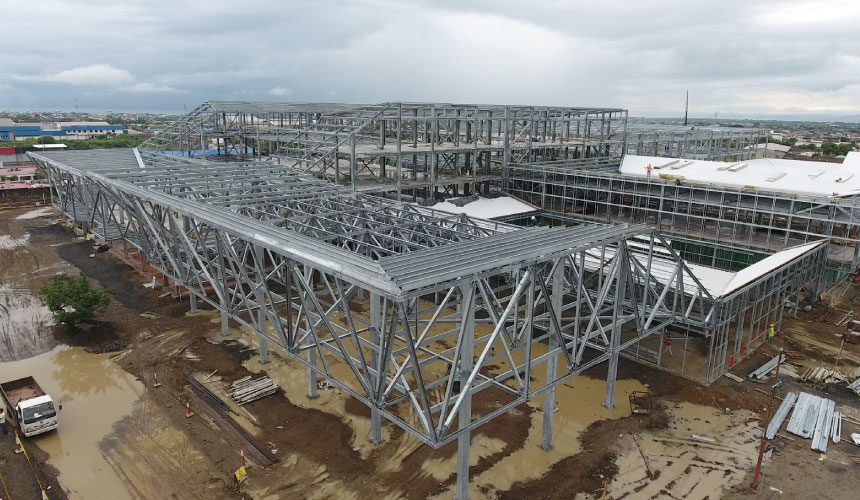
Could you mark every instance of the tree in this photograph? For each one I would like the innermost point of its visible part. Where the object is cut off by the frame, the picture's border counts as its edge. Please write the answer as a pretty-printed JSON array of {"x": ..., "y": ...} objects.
[
  {"x": 829, "y": 148},
  {"x": 46, "y": 140},
  {"x": 72, "y": 300}
]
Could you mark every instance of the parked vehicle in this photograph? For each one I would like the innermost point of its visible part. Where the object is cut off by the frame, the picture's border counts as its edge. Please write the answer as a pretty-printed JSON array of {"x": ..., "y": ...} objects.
[{"x": 29, "y": 406}]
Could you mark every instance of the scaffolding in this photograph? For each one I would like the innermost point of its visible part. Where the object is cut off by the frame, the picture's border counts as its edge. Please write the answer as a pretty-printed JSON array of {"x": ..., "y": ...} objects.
[
  {"x": 422, "y": 150},
  {"x": 716, "y": 225},
  {"x": 414, "y": 312}
]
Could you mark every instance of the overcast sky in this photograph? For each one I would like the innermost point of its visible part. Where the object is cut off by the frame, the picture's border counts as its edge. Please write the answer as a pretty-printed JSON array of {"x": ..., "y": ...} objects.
[{"x": 753, "y": 58}]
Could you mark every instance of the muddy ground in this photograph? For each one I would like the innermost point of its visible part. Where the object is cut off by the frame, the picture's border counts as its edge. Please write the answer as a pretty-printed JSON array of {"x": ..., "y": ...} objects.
[{"x": 154, "y": 451}]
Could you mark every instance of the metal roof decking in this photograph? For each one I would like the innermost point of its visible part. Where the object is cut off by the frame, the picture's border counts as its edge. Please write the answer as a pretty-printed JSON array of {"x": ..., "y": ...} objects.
[
  {"x": 439, "y": 265},
  {"x": 314, "y": 221}
]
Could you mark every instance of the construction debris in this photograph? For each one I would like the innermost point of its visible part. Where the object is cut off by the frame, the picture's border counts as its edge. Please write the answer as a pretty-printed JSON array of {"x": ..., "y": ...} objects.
[
  {"x": 245, "y": 390},
  {"x": 703, "y": 439},
  {"x": 822, "y": 375},
  {"x": 780, "y": 415},
  {"x": 644, "y": 458},
  {"x": 855, "y": 386},
  {"x": 766, "y": 368},
  {"x": 733, "y": 377}
]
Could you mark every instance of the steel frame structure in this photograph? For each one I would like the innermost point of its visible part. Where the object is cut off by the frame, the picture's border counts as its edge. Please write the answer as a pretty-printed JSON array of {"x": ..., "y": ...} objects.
[
  {"x": 740, "y": 323},
  {"x": 419, "y": 149},
  {"x": 716, "y": 221},
  {"x": 457, "y": 307},
  {"x": 701, "y": 143}
]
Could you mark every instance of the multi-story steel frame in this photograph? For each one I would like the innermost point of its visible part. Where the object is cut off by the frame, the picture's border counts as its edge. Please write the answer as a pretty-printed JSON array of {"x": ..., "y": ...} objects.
[
  {"x": 401, "y": 147},
  {"x": 715, "y": 225},
  {"x": 701, "y": 143},
  {"x": 455, "y": 306}
]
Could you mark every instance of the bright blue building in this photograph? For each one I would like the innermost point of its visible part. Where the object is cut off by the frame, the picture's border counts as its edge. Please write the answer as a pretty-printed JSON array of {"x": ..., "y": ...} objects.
[{"x": 76, "y": 131}]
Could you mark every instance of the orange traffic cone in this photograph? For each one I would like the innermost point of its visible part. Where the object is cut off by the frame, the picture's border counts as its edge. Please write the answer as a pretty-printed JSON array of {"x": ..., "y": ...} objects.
[{"x": 18, "y": 447}]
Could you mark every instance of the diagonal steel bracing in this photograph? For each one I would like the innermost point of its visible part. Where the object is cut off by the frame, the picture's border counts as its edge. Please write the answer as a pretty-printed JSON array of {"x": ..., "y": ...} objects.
[{"x": 414, "y": 313}]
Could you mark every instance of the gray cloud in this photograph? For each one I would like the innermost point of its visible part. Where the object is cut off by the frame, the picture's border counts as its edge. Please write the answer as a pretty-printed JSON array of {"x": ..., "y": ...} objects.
[{"x": 734, "y": 56}]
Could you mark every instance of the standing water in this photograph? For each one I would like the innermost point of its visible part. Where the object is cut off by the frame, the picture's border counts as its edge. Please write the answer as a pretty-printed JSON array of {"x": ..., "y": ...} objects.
[{"x": 95, "y": 393}]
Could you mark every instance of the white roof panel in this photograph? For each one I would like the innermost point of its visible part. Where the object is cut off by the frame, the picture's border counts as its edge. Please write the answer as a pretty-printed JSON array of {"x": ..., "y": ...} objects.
[
  {"x": 768, "y": 264},
  {"x": 766, "y": 174},
  {"x": 717, "y": 282},
  {"x": 487, "y": 208}
]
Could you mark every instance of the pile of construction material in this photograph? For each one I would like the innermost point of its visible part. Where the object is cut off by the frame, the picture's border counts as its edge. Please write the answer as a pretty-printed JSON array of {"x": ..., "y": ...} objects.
[
  {"x": 813, "y": 418},
  {"x": 855, "y": 386},
  {"x": 208, "y": 404},
  {"x": 766, "y": 368},
  {"x": 823, "y": 375},
  {"x": 245, "y": 390}
]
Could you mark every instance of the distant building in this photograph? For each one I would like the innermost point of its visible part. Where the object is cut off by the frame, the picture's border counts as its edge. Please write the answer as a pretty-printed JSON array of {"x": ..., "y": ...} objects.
[
  {"x": 18, "y": 174},
  {"x": 770, "y": 150},
  {"x": 67, "y": 130}
]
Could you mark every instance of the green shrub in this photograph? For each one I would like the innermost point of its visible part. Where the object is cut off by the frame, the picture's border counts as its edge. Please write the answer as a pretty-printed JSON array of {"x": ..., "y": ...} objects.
[{"x": 72, "y": 300}]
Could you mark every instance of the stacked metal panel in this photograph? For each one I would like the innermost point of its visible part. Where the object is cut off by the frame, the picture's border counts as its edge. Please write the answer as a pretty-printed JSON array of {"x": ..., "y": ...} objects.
[
  {"x": 779, "y": 416},
  {"x": 836, "y": 431},
  {"x": 823, "y": 426},
  {"x": 766, "y": 368},
  {"x": 805, "y": 415},
  {"x": 813, "y": 417}
]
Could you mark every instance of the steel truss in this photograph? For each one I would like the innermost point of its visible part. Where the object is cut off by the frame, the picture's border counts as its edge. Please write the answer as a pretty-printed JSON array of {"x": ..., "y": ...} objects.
[
  {"x": 717, "y": 217},
  {"x": 417, "y": 148},
  {"x": 456, "y": 307}
]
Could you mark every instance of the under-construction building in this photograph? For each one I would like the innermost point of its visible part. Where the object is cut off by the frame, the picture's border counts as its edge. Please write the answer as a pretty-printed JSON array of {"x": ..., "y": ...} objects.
[{"x": 308, "y": 225}]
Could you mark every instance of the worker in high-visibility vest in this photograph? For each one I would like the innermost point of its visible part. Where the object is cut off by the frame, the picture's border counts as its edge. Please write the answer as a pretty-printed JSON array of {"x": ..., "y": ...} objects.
[
  {"x": 648, "y": 170},
  {"x": 668, "y": 345},
  {"x": 770, "y": 333}
]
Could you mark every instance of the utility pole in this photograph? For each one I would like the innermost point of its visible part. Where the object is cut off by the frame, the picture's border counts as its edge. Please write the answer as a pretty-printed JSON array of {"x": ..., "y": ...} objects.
[{"x": 686, "y": 107}]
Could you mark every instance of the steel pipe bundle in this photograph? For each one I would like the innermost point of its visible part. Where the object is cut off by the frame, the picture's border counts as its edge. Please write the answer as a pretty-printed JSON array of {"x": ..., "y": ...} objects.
[{"x": 245, "y": 390}]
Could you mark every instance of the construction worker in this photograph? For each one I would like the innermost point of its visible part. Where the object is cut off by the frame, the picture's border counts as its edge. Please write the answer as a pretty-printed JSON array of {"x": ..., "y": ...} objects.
[
  {"x": 648, "y": 170},
  {"x": 668, "y": 345},
  {"x": 770, "y": 333}
]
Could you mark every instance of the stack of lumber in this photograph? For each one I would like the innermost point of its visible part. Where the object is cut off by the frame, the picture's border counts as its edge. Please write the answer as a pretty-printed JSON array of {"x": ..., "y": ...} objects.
[
  {"x": 822, "y": 374},
  {"x": 245, "y": 389}
]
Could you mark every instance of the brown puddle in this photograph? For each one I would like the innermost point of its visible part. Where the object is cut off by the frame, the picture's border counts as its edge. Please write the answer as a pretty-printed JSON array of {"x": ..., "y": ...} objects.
[
  {"x": 580, "y": 403},
  {"x": 689, "y": 469},
  {"x": 95, "y": 393},
  {"x": 25, "y": 324}
]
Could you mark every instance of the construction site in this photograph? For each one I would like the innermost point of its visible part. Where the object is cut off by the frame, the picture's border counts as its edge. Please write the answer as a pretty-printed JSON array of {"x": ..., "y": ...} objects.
[{"x": 433, "y": 300}]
